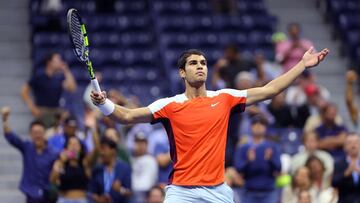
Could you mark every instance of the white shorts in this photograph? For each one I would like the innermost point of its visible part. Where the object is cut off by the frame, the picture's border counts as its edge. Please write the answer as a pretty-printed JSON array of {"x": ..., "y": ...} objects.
[{"x": 199, "y": 194}]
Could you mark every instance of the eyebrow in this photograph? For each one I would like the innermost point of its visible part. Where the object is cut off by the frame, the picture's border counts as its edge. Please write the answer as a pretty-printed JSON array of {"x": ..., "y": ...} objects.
[{"x": 195, "y": 61}]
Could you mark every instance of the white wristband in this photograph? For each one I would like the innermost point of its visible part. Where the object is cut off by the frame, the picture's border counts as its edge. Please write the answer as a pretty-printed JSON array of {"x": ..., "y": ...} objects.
[{"x": 107, "y": 107}]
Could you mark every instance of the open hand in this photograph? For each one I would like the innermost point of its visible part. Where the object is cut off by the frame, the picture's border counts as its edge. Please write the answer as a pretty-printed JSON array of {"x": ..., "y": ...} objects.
[
  {"x": 312, "y": 59},
  {"x": 5, "y": 112},
  {"x": 98, "y": 98}
]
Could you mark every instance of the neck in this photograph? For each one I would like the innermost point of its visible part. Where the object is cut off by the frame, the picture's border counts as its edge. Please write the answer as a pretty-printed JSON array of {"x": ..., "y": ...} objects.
[
  {"x": 258, "y": 139},
  {"x": 111, "y": 164},
  {"x": 192, "y": 92},
  {"x": 48, "y": 71},
  {"x": 310, "y": 151},
  {"x": 40, "y": 148}
]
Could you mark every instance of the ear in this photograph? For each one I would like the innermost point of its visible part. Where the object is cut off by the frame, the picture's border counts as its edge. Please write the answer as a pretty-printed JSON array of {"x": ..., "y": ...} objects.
[{"x": 182, "y": 73}]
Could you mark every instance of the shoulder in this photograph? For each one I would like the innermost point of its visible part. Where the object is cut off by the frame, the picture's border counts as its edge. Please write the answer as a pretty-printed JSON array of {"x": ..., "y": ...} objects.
[
  {"x": 231, "y": 92},
  {"x": 161, "y": 103},
  {"x": 122, "y": 165}
]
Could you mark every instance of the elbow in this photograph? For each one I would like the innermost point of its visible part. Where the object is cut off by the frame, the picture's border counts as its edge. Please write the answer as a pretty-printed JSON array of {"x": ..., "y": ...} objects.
[{"x": 127, "y": 119}]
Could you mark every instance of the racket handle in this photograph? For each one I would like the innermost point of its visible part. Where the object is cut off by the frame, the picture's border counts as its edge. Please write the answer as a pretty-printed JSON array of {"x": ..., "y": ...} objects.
[{"x": 95, "y": 85}]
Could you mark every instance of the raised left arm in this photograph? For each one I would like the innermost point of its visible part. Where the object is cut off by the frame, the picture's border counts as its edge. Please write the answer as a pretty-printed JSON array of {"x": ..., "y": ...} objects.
[{"x": 277, "y": 85}]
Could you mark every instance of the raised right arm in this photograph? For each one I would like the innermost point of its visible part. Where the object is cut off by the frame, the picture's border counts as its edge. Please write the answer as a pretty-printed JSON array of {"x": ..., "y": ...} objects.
[{"x": 119, "y": 113}]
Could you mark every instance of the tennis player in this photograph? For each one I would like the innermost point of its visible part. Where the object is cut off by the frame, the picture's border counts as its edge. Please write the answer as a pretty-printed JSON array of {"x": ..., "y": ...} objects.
[{"x": 196, "y": 123}]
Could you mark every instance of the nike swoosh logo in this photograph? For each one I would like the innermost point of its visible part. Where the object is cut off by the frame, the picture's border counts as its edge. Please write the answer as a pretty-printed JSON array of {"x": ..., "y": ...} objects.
[{"x": 213, "y": 105}]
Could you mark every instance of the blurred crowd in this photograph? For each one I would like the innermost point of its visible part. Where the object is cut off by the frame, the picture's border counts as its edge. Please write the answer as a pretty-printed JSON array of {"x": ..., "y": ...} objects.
[{"x": 293, "y": 148}]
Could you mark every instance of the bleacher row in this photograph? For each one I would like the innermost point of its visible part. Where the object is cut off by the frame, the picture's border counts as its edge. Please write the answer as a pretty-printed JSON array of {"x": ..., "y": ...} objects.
[
  {"x": 345, "y": 15},
  {"x": 140, "y": 41}
]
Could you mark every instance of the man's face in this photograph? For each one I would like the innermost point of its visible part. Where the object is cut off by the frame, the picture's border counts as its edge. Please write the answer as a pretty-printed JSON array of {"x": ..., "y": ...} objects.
[
  {"x": 106, "y": 153},
  {"x": 70, "y": 130},
  {"x": 258, "y": 129},
  {"x": 330, "y": 114},
  {"x": 294, "y": 32},
  {"x": 37, "y": 134},
  {"x": 195, "y": 72},
  {"x": 56, "y": 62},
  {"x": 140, "y": 147},
  {"x": 352, "y": 145},
  {"x": 230, "y": 54}
]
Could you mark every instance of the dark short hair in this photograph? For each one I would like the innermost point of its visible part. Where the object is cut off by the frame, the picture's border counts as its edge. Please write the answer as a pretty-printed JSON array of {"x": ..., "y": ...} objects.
[
  {"x": 325, "y": 108},
  {"x": 232, "y": 47},
  {"x": 183, "y": 57},
  {"x": 314, "y": 158},
  {"x": 108, "y": 142},
  {"x": 36, "y": 122},
  {"x": 49, "y": 57},
  {"x": 294, "y": 24}
]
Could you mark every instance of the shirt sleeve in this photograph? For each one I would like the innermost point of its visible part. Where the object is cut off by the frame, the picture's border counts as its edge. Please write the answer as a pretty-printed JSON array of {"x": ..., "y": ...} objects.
[
  {"x": 237, "y": 98},
  {"x": 159, "y": 108},
  {"x": 240, "y": 159},
  {"x": 126, "y": 182},
  {"x": 32, "y": 82},
  {"x": 15, "y": 141}
]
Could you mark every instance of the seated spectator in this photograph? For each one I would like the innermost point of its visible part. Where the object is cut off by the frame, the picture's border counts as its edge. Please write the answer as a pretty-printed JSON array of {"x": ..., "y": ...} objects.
[
  {"x": 47, "y": 87},
  {"x": 37, "y": 159},
  {"x": 290, "y": 51},
  {"x": 311, "y": 149},
  {"x": 300, "y": 182},
  {"x": 331, "y": 135},
  {"x": 156, "y": 195},
  {"x": 347, "y": 171},
  {"x": 283, "y": 117},
  {"x": 57, "y": 141},
  {"x": 111, "y": 180},
  {"x": 352, "y": 107},
  {"x": 258, "y": 162},
  {"x": 226, "y": 68},
  {"x": 113, "y": 135},
  {"x": 324, "y": 193},
  {"x": 144, "y": 169},
  {"x": 72, "y": 171}
]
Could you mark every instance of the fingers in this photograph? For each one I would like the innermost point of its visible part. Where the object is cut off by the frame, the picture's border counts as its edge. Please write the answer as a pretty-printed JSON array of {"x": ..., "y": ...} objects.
[
  {"x": 310, "y": 50},
  {"x": 98, "y": 98},
  {"x": 323, "y": 54}
]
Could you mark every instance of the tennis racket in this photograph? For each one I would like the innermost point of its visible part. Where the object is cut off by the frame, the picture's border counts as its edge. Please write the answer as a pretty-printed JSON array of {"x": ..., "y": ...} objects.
[{"x": 79, "y": 39}]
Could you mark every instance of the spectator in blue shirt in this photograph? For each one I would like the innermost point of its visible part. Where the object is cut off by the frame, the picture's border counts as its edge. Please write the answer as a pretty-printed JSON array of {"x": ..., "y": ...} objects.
[
  {"x": 162, "y": 154},
  {"x": 111, "y": 181},
  {"x": 258, "y": 162},
  {"x": 47, "y": 87},
  {"x": 38, "y": 159},
  {"x": 331, "y": 135},
  {"x": 57, "y": 141}
]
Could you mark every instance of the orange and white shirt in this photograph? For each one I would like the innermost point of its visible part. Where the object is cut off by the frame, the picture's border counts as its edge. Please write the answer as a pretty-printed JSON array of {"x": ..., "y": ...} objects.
[{"x": 197, "y": 132}]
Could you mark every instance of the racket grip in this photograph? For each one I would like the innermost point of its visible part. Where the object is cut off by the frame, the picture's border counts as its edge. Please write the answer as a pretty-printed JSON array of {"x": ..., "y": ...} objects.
[{"x": 95, "y": 85}]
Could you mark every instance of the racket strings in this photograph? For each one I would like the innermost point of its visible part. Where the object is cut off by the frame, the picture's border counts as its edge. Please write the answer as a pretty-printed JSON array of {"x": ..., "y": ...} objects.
[{"x": 77, "y": 36}]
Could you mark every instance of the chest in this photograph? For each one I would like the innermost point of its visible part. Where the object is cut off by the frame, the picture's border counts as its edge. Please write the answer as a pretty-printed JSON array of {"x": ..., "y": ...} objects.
[
  {"x": 38, "y": 161},
  {"x": 200, "y": 112}
]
